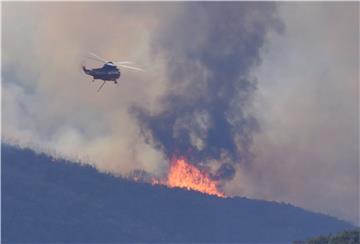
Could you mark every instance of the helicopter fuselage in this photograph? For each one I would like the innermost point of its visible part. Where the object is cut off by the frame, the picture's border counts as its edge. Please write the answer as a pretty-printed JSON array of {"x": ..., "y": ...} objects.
[{"x": 108, "y": 72}]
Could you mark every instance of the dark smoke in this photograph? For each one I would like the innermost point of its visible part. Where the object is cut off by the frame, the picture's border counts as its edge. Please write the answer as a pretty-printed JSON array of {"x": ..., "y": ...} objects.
[
  {"x": 225, "y": 172},
  {"x": 210, "y": 50}
]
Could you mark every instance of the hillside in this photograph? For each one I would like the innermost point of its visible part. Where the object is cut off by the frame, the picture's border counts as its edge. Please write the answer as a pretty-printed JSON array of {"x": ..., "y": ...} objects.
[
  {"x": 344, "y": 237},
  {"x": 45, "y": 200}
]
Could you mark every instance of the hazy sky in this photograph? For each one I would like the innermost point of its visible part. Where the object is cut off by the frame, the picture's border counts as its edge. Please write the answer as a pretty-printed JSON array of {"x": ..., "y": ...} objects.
[{"x": 292, "y": 67}]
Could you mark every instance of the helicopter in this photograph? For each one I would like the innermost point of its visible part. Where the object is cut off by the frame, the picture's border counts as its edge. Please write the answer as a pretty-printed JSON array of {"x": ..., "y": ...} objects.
[{"x": 109, "y": 71}]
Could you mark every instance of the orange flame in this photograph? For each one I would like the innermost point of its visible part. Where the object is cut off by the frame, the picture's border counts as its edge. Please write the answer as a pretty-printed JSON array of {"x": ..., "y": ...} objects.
[{"x": 185, "y": 175}]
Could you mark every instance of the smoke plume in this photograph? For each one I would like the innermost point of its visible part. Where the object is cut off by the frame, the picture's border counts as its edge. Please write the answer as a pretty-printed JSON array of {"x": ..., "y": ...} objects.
[{"x": 206, "y": 112}]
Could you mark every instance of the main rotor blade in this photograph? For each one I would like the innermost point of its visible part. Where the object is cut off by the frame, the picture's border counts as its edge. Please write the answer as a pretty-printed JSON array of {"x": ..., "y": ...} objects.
[
  {"x": 122, "y": 62},
  {"x": 98, "y": 58},
  {"x": 130, "y": 67},
  {"x": 101, "y": 86},
  {"x": 95, "y": 59}
]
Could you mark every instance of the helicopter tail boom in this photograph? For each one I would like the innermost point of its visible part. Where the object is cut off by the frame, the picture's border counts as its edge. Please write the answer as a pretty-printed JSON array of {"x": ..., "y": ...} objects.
[{"x": 86, "y": 71}]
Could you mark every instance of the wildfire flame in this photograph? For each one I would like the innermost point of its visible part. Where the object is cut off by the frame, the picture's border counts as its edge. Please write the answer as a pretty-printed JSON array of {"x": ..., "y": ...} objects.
[{"x": 184, "y": 175}]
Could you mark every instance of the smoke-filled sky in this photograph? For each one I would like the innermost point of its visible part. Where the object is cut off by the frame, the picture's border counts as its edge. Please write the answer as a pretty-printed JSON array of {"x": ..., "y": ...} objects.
[{"x": 263, "y": 96}]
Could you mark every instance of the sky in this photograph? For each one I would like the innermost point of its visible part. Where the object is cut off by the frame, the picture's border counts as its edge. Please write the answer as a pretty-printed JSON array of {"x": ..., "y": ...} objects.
[{"x": 262, "y": 95}]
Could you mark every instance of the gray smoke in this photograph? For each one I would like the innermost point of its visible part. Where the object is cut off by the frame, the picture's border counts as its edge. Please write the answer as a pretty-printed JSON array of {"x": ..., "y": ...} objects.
[{"x": 210, "y": 50}]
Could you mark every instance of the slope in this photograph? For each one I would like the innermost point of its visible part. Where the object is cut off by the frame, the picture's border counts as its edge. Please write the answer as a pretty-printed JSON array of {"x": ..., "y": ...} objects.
[{"x": 47, "y": 200}]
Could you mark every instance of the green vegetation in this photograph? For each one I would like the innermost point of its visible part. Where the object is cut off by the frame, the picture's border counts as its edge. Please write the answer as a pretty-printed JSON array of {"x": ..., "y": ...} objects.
[{"x": 345, "y": 237}]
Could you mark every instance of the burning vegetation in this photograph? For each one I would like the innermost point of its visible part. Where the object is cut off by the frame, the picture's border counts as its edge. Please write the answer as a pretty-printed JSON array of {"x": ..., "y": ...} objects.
[{"x": 182, "y": 174}]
